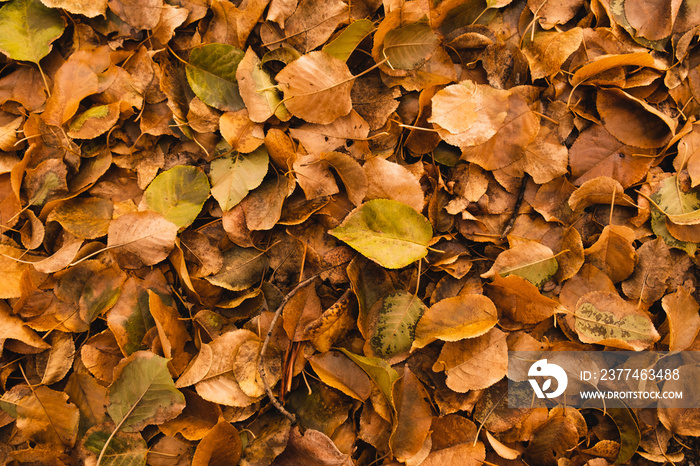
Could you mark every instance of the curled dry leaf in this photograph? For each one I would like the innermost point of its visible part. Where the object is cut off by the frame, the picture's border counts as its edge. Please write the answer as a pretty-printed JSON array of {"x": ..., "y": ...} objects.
[
  {"x": 683, "y": 319},
  {"x": 532, "y": 261}
]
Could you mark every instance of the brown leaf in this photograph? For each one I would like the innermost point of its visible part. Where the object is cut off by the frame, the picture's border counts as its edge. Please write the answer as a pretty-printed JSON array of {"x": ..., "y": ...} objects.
[
  {"x": 413, "y": 416},
  {"x": 548, "y": 51},
  {"x": 476, "y": 363},
  {"x": 651, "y": 274},
  {"x": 632, "y": 121},
  {"x": 313, "y": 448},
  {"x": 221, "y": 445},
  {"x": 172, "y": 333},
  {"x": 317, "y": 88},
  {"x": 139, "y": 14},
  {"x": 141, "y": 238},
  {"x": 683, "y": 319},
  {"x": 597, "y": 153},
  {"x": 454, "y": 319},
  {"x": 469, "y": 114},
  {"x": 389, "y": 180},
  {"x": 519, "y": 300},
  {"x": 600, "y": 190},
  {"x": 76, "y": 79},
  {"x": 14, "y": 329},
  {"x": 613, "y": 253},
  {"x": 240, "y": 131}
]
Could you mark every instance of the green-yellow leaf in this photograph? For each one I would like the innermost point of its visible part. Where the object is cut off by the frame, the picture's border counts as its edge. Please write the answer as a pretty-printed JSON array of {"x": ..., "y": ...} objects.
[
  {"x": 381, "y": 373},
  {"x": 532, "y": 261},
  {"x": 125, "y": 449},
  {"x": 233, "y": 177},
  {"x": 143, "y": 393},
  {"x": 347, "y": 41},
  {"x": 211, "y": 73},
  {"x": 28, "y": 29},
  {"x": 392, "y": 324},
  {"x": 178, "y": 194},
  {"x": 409, "y": 46},
  {"x": 605, "y": 318},
  {"x": 389, "y": 232}
]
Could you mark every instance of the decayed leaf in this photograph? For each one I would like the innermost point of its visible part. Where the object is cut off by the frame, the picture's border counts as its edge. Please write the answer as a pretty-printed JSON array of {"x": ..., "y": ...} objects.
[
  {"x": 141, "y": 14},
  {"x": 12, "y": 328},
  {"x": 382, "y": 374},
  {"x": 391, "y": 324},
  {"x": 613, "y": 253},
  {"x": 178, "y": 194},
  {"x": 632, "y": 121},
  {"x": 53, "y": 365},
  {"x": 171, "y": 331},
  {"x": 141, "y": 238},
  {"x": 310, "y": 448},
  {"x": 475, "y": 363},
  {"x": 240, "y": 131},
  {"x": 29, "y": 28},
  {"x": 606, "y": 319},
  {"x": 454, "y": 319},
  {"x": 597, "y": 153},
  {"x": 317, "y": 88},
  {"x": 313, "y": 22},
  {"x": 211, "y": 73},
  {"x": 314, "y": 177},
  {"x": 532, "y": 261},
  {"x": 599, "y": 190},
  {"x": 12, "y": 271},
  {"x": 233, "y": 177},
  {"x": 388, "y": 232},
  {"x": 683, "y": 319},
  {"x": 242, "y": 268}
]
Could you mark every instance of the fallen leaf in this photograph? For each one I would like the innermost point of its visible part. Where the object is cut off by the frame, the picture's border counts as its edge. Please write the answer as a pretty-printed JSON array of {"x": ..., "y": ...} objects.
[
  {"x": 391, "y": 324},
  {"x": 178, "y": 194},
  {"x": 606, "y": 319},
  {"x": 257, "y": 92},
  {"x": 222, "y": 445},
  {"x": 389, "y": 180},
  {"x": 388, "y": 232},
  {"x": 532, "y": 261},
  {"x": 232, "y": 178},
  {"x": 317, "y": 88},
  {"x": 474, "y": 363},
  {"x": 613, "y": 253},
  {"x": 211, "y": 73},
  {"x": 413, "y": 417},
  {"x": 519, "y": 300},
  {"x": 651, "y": 273},
  {"x": 683, "y": 319},
  {"x": 141, "y": 238},
  {"x": 454, "y": 319},
  {"x": 29, "y": 29}
]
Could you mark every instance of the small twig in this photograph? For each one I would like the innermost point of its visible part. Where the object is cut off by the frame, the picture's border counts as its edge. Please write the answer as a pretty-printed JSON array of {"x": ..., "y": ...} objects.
[
  {"x": 516, "y": 207},
  {"x": 275, "y": 318}
]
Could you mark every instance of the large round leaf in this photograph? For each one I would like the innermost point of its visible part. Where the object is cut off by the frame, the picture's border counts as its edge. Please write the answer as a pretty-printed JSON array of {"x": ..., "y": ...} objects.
[
  {"x": 178, "y": 194},
  {"x": 388, "y": 232},
  {"x": 28, "y": 28},
  {"x": 211, "y": 73}
]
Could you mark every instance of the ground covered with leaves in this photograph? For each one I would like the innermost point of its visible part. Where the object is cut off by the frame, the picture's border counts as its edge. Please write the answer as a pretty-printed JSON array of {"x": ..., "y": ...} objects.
[{"x": 381, "y": 199}]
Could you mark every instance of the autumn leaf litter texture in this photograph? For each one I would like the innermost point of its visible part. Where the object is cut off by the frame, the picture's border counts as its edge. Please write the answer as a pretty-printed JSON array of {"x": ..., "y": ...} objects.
[{"x": 382, "y": 199}]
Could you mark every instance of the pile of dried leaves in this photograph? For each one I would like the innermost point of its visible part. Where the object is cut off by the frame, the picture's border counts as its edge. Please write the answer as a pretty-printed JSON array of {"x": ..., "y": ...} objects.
[{"x": 438, "y": 181}]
